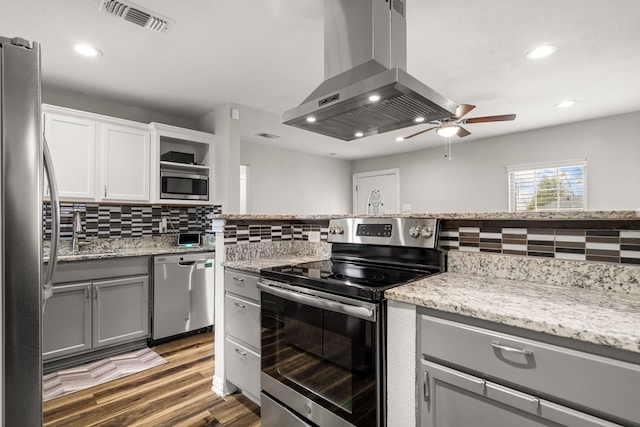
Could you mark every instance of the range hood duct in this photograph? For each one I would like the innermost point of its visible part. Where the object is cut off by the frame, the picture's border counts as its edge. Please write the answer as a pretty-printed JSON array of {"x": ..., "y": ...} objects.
[{"x": 365, "y": 53}]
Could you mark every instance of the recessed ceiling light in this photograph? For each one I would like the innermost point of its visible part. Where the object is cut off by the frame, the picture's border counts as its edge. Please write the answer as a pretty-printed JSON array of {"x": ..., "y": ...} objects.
[
  {"x": 374, "y": 98},
  {"x": 86, "y": 50},
  {"x": 565, "y": 104},
  {"x": 419, "y": 119},
  {"x": 541, "y": 51},
  {"x": 399, "y": 139},
  {"x": 359, "y": 134},
  {"x": 311, "y": 119}
]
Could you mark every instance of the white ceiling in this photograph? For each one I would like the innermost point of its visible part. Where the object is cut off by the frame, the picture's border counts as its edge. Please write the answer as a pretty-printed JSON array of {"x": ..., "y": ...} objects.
[{"x": 267, "y": 56}]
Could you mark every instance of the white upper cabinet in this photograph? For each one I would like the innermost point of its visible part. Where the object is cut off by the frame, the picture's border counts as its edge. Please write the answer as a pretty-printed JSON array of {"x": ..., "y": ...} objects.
[
  {"x": 100, "y": 158},
  {"x": 72, "y": 142},
  {"x": 125, "y": 161}
]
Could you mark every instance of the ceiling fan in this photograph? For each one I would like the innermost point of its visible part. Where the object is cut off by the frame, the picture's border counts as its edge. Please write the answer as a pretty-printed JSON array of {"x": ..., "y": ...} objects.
[{"x": 452, "y": 125}]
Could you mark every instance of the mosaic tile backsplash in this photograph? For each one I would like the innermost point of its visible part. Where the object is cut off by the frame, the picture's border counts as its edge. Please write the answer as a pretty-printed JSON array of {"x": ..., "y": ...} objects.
[
  {"x": 615, "y": 242},
  {"x": 616, "y": 246},
  {"x": 254, "y": 233},
  {"x": 102, "y": 221}
]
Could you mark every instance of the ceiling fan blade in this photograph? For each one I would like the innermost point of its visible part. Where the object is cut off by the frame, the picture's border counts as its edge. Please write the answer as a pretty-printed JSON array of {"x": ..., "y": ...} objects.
[
  {"x": 503, "y": 118},
  {"x": 419, "y": 133},
  {"x": 462, "y": 110},
  {"x": 462, "y": 132}
]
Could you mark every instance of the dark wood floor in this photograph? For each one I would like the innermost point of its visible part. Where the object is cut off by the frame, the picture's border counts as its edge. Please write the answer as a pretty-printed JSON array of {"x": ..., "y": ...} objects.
[{"x": 177, "y": 393}]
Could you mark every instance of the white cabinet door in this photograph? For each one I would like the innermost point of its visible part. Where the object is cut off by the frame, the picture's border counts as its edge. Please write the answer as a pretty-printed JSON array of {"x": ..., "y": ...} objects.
[
  {"x": 125, "y": 162},
  {"x": 72, "y": 142}
]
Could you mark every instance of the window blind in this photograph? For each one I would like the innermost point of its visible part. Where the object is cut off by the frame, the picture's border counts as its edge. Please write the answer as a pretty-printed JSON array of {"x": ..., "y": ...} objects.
[{"x": 548, "y": 187}]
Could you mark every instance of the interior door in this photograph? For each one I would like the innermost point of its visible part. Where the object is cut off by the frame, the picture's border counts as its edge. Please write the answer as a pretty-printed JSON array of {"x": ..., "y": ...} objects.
[{"x": 376, "y": 192}]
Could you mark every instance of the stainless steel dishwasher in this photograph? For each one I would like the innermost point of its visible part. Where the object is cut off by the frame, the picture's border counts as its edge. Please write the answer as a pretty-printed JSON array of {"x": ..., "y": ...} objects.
[{"x": 182, "y": 293}]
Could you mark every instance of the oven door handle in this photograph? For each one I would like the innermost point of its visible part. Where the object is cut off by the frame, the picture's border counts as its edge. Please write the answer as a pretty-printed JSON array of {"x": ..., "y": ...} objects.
[{"x": 361, "y": 312}]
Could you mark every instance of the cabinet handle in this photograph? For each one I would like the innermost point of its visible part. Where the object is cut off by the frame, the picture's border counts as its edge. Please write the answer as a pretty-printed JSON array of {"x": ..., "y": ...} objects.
[
  {"x": 86, "y": 292},
  {"x": 105, "y": 191},
  {"x": 95, "y": 293},
  {"x": 240, "y": 306},
  {"x": 508, "y": 349},
  {"x": 425, "y": 387},
  {"x": 239, "y": 279},
  {"x": 240, "y": 352}
]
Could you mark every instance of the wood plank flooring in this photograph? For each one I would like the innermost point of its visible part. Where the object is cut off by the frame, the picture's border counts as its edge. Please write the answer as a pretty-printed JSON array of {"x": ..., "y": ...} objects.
[{"x": 176, "y": 394}]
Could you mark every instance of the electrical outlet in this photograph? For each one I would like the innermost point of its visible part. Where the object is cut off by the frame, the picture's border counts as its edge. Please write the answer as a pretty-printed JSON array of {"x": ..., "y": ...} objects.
[
  {"x": 314, "y": 236},
  {"x": 163, "y": 225}
]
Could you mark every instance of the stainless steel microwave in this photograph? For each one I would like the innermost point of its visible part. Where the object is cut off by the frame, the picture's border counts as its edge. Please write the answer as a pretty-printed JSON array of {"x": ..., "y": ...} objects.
[{"x": 183, "y": 186}]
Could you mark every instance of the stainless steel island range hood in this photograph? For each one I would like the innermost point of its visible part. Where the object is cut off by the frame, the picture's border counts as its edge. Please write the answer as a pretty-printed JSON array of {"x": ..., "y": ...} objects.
[{"x": 366, "y": 90}]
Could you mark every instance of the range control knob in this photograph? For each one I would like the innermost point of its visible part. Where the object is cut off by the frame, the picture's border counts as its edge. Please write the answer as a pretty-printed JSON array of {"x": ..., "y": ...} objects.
[
  {"x": 414, "y": 231},
  {"x": 426, "y": 232},
  {"x": 336, "y": 230}
]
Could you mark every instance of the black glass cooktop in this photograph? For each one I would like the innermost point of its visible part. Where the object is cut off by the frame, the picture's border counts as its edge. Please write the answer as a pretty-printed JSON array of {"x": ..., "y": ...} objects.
[{"x": 361, "y": 280}]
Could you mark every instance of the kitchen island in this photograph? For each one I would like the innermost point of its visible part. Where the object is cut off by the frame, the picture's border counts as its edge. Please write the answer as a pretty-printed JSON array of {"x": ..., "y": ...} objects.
[{"x": 590, "y": 307}]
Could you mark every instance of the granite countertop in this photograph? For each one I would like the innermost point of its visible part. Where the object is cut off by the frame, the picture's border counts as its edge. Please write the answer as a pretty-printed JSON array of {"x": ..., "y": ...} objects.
[
  {"x": 126, "y": 247},
  {"x": 587, "y": 312},
  {"x": 256, "y": 264},
  {"x": 578, "y": 215}
]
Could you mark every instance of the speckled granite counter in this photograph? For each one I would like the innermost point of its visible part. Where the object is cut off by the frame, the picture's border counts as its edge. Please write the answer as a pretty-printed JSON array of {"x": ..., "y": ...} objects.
[
  {"x": 602, "y": 308},
  {"x": 252, "y": 258},
  {"x": 608, "y": 215},
  {"x": 127, "y": 247},
  {"x": 255, "y": 265}
]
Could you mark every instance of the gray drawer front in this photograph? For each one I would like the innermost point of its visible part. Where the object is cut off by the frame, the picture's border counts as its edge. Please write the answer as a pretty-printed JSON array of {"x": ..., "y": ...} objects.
[
  {"x": 76, "y": 271},
  {"x": 605, "y": 385},
  {"x": 241, "y": 284},
  {"x": 452, "y": 398},
  {"x": 243, "y": 367},
  {"x": 242, "y": 320}
]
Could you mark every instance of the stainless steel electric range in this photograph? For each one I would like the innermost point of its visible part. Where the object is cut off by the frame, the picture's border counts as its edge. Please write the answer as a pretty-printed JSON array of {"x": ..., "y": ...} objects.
[{"x": 324, "y": 323}]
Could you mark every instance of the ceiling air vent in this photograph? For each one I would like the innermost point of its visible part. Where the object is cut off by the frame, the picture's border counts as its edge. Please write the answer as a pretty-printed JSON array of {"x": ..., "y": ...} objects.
[
  {"x": 267, "y": 135},
  {"x": 136, "y": 15}
]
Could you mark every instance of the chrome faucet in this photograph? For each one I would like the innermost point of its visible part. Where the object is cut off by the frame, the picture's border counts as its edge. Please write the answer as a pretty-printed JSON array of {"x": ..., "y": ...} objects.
[{"x": 77, "y": 228}]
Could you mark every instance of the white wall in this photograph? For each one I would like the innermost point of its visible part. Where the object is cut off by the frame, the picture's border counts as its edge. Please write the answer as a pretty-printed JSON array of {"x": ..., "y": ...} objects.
[
  {"x": 476, "y": 179},
  {"x": 100, "y": 105},
  {"x": 289, "y": 182}
]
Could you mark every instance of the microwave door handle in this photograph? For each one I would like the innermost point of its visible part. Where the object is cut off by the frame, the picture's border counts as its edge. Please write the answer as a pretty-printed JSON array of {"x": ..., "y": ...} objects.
[{"x": 365, "y": 313}]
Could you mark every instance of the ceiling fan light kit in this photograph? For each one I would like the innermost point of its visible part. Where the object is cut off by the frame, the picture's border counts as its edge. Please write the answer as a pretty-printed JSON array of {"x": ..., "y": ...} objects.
[
  {"x": 451, "y": 126},
  {"x": 448, "y": 131}
]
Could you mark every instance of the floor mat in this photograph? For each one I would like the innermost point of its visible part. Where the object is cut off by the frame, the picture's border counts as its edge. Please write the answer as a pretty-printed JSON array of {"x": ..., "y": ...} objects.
[{"x": 67, "y": 381}]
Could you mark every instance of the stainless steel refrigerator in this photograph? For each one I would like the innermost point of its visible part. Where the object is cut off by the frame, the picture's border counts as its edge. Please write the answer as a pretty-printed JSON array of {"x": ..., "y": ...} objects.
[{"x": 26, "y": 281}]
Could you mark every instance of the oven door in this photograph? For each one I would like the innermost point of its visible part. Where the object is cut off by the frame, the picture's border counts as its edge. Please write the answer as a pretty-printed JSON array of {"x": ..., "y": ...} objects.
[{"x": 321, "y": 354}]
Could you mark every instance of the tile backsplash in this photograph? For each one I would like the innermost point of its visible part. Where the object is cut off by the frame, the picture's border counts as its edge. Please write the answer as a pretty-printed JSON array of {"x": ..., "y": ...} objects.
[
  {"x": 103, "y": 221},
  {"x": 265, "y": 232},
  {"x": 579, "y": 244}
]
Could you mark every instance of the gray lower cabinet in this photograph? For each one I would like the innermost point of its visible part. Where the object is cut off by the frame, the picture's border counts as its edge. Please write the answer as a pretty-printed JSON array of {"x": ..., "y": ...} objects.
[
  {"x": 242, "y": 332},
  {"x": 93, "y": 313},
  {"x": 470, "y": 376},
  {"x": 120, "y": 310},
  {"x": 67, "y": 321}
]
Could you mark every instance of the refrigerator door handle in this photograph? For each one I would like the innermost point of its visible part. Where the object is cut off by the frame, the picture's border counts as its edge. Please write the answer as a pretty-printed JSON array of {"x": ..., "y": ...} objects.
[{"x": 47, "y": 289}]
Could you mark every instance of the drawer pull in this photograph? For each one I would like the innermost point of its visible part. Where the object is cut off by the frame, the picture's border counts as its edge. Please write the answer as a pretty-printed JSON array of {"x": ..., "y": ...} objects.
[
  {"x": 240, "y": 352},
  {"x": 239, "y": 306},
  {"x": 508, "y": 349},
  {"x": 238, "y": 279}
]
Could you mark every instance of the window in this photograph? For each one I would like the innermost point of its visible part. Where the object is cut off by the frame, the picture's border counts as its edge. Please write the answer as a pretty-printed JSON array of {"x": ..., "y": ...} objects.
[{"x": 548, "y": 187}]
